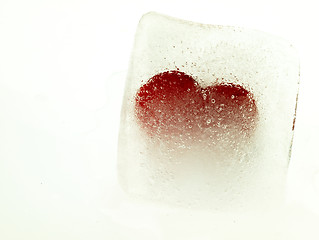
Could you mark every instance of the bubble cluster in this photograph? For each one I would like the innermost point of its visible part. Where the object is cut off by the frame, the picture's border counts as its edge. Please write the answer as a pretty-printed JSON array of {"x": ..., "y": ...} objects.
[{"x": 173, "y": 104}]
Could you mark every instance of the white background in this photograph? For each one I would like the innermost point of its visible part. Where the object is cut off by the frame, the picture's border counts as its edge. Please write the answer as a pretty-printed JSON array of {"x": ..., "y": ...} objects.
[{"x": 62, "y": 74}]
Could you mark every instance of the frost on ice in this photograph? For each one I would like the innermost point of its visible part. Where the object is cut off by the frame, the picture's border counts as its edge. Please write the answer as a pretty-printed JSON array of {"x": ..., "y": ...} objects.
[{"x": 207, "y": 115}]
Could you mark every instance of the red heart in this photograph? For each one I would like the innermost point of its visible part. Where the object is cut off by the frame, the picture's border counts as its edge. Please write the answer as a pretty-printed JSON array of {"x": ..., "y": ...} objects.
[{"x": 173, "y": 104}]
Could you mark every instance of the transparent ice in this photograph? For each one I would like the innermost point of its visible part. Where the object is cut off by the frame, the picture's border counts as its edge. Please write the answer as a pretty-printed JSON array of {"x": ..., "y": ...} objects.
[{"x": 203, "y": 160}]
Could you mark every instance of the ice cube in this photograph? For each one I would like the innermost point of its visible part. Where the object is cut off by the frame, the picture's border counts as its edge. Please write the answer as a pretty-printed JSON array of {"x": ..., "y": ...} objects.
[{"x": 208, "y": 113}]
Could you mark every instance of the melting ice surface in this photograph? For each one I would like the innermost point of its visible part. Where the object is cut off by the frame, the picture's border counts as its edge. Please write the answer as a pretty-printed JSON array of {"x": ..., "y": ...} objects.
[{"x": 207, "y": 118}]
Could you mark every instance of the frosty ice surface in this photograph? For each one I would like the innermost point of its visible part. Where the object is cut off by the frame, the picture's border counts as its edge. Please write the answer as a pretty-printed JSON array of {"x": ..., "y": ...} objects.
[{"x": 207, "y": 116}]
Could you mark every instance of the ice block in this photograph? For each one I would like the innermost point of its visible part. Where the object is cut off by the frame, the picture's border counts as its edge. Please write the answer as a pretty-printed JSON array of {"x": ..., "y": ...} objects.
[{"x": 208, "y": 115}]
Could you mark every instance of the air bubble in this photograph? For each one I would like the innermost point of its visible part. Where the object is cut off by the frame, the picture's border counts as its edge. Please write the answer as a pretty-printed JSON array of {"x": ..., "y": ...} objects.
[{"x": 213, "y": 100}]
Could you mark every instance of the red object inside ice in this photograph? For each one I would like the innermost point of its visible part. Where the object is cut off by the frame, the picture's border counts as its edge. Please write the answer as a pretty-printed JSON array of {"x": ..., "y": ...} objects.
[{"x": 173, "y": 103}]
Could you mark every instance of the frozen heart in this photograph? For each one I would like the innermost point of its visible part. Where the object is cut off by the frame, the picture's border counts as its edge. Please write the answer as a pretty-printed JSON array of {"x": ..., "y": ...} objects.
[{"x": 173, "y": 104}]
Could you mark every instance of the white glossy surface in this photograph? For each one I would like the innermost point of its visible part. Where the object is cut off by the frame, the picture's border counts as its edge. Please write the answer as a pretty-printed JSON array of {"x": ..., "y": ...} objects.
[{"x": 59, "y": 117}]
